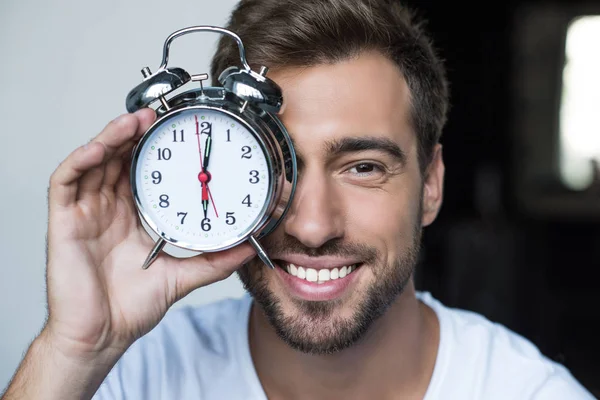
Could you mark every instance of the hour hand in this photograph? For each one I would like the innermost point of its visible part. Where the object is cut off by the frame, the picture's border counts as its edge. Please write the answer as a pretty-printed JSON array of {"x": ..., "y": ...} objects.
[
  {"x": 205, "y": 208},
  {"x": 205, "y": 199}
]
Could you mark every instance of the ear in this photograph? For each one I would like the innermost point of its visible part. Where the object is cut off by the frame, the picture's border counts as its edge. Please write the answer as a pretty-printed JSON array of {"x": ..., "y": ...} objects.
[{"x": 433, "y": 187}]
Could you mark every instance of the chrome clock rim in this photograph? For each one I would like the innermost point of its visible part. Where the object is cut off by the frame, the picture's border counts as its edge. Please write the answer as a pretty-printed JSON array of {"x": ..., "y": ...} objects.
[{"x": 252, "y": 228}]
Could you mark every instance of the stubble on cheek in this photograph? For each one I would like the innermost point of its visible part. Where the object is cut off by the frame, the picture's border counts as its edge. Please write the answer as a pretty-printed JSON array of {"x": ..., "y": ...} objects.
[{"x": 327, "y": 327}]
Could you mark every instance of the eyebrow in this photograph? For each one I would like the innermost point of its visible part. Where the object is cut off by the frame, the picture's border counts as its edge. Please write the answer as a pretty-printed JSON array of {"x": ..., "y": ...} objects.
[{"x": 350, "y": 145}]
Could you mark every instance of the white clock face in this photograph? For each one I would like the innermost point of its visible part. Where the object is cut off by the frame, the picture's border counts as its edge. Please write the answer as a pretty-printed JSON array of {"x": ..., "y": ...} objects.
[{"x": 202, "y": 179}]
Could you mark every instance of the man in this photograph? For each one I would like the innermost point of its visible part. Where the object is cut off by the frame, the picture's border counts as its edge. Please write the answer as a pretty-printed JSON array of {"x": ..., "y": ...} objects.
[{"x": 366, "y": 100}]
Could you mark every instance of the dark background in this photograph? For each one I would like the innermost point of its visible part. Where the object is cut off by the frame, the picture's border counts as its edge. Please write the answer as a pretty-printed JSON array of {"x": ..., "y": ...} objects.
[{"x": 535, "y": 272}]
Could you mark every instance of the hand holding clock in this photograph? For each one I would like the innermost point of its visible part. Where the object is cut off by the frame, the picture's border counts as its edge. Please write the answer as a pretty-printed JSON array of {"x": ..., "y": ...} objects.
[
  {"x": 99, "y": 299},
  {"x": 101, "y": 295}
]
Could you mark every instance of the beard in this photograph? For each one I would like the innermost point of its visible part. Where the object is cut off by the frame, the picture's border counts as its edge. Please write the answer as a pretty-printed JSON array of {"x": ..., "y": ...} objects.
[{"x": 317, "y": 327}]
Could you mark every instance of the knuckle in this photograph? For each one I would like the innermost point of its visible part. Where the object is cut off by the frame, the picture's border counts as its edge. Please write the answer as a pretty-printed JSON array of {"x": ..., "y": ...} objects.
[
  {"x": 54, "y": 177},
  {"x": 124, "y": 121},
  {"x": 118, "y": 119}
]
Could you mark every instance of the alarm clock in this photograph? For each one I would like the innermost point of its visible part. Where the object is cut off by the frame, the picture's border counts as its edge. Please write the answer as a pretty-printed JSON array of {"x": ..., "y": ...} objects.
[{"x": 217, "y": 168}]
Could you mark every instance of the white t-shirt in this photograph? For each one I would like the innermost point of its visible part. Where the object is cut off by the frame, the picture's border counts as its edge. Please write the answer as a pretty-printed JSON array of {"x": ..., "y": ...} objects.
[{"x": 202, "y": 353}]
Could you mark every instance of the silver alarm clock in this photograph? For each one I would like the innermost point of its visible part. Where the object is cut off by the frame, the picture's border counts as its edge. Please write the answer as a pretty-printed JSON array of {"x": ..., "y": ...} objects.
[{"x": 217, "y": 167}]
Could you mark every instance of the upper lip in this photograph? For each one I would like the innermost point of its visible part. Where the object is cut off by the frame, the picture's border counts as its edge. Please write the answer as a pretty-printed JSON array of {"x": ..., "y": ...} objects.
[{"x": 325, "y": 262}]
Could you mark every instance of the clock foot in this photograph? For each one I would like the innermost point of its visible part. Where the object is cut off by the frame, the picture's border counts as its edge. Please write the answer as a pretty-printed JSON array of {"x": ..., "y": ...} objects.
[
  {"x": 262, "y": 254},
  {"x": 160, "y": 243}
]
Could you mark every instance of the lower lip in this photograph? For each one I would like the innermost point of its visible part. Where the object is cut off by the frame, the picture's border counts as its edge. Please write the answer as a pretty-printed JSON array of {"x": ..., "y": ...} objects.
[{"x": 313, "y": 291}]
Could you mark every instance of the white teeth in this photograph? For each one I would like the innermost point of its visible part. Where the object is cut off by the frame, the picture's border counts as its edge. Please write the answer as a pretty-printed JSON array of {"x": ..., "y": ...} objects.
[
  {"x": 301, "y": 273},
  {"x": 323, "y": 274},
  {"x": 334, "y": 273},
  {"x": 319, "y": 276}
]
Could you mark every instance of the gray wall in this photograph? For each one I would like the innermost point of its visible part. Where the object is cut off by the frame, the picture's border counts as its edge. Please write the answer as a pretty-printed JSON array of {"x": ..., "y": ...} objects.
[{"x": 66, "y": 67}]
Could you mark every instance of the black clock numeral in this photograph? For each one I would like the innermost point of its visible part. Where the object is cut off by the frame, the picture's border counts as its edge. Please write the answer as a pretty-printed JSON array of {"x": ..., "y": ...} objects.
[
  {"x": 180, "y": 136},
  {"x": 164, "y": 201},
  {"x": 156, "y": 177},
  {"x": 228, "y": 135},
  {"x": 246, "y": 152},
  {"x": 205, "y": 224},
  {"x": 247, "y": 201},
  {"x": 230, "y": 219},
  {"x": 253, "y": 176},
  {"x": 182, "y": 215},
  {"x": 164, "y": 154},
  {"x": 206, "y": 128}
]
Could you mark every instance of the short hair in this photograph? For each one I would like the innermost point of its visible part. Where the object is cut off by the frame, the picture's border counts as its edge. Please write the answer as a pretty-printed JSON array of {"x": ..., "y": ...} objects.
[{"x": 304, "y": 33}]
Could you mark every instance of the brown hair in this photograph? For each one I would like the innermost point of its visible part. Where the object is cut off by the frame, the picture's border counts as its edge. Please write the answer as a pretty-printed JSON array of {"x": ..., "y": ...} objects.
[{"x": 303, "y": 33}]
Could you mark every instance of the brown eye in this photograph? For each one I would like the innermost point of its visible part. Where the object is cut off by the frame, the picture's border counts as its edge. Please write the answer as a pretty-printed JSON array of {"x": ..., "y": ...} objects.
[{"x": 365, "y": 168}]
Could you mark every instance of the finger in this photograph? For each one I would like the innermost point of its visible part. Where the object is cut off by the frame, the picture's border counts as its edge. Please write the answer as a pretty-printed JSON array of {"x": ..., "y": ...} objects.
[
  {"x": 112, "y": 138},
  {"x": 112, "y": 172},
  {"x": 63, "y": 182},
  {"x": 146, "y": 118},
  {"x": 125, "y": 151},
  {"x": 123, "y": 186},
  {"x": 116, "y": 166},
  {"x": 90, "y": 182},
  {"x": 117, "y": 133},
  {"x": 119, "y": 179},
  {"x": 193, "y": 273}
]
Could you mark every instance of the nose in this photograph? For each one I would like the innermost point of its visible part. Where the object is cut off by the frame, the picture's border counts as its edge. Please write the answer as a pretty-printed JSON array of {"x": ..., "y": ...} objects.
[{"x": 316, "y": 214}]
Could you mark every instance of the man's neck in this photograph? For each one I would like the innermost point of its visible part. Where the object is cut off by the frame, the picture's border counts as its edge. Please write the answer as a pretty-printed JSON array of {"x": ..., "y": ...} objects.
[{"x": 395, "y": 359}]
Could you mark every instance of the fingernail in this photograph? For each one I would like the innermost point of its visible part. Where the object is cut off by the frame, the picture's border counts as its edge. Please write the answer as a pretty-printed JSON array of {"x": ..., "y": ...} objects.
[{"x": 139, "y": 112}]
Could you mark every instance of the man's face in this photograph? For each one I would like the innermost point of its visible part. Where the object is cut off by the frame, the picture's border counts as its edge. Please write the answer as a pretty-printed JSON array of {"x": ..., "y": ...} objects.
[{"x": 349, "y": 243}]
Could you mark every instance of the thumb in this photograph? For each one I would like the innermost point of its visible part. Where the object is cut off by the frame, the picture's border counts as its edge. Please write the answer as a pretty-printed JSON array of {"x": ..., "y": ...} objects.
[{"x": 192, "y": 273}]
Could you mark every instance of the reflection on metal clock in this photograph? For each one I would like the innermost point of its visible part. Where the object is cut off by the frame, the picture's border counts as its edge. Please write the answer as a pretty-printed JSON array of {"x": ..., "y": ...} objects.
[{"x": 217, "y": 168}]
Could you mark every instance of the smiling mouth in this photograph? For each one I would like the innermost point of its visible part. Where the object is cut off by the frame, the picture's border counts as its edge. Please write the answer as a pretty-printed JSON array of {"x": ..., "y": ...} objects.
[{"x": 319, "y": 276}]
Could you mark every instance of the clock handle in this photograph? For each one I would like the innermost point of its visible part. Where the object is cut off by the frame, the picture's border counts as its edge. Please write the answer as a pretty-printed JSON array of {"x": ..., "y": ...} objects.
[
  {"x": 165, "y": 80},
  {"x": 203, "y": 28},
  {"x": 249, "y": 86},
  {"x": 262, "y": 254}
]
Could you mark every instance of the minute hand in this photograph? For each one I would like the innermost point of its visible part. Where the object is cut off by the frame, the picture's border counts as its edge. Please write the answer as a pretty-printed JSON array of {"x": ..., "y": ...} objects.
[{"x": 207, "y": 151}]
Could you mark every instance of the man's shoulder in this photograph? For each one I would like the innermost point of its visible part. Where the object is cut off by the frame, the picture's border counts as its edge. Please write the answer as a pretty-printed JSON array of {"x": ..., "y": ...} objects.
[
  {"x": 209, "y": 327},
  {"x": 194, "y": 349},
  {"x": 495, "y": 361},
  {"x": 207, "y": 316}
]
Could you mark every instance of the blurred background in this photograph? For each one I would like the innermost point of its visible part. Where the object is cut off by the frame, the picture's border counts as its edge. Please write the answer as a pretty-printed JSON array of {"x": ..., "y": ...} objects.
[{"x": 518, "y": 237}]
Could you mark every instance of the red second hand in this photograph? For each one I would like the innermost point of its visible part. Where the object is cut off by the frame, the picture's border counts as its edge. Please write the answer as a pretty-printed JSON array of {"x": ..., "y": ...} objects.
[{"x": 212, "y": 201}]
